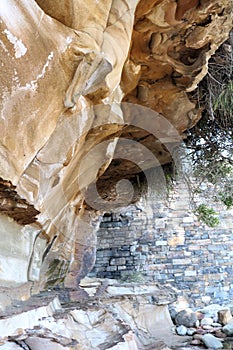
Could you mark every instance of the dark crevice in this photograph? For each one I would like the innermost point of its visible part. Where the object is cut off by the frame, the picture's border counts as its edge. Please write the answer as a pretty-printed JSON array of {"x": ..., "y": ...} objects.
[
  {"x": 22, "y": 344},
  {"x": 12, "y": 205},
  {"x": 49, "y": 247},
  {"x": 205, "y": 22}
]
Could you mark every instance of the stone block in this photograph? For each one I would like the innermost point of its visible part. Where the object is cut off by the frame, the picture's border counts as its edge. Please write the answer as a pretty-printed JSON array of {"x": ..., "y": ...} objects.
[
  {"x": 181, "y": 261},
  {"x": 161, "y": 243},
  {"x": 111, "y": 268},
  {"x": 117, "y": 261},
  {"x": 188, "y": 219},
  {"x": 175, "y": 254},
  {"x": 190, "y": 273},
  {"x": 202, "y": 241},
  {"x": 124, "y": 253},
  {"x": 176, "y": 240},
  {"x": 216, "y": 247}
]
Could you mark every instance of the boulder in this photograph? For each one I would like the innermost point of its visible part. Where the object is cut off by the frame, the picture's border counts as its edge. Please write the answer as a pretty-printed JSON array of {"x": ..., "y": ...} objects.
[
  {"x": 181, "y": 330},
  {"x": 191, "y": 331},
  {"x": 207, "y": 321},
  {"x": 228, "y": 329},
  {"x": 187, "y": 318},
  {"x": 220, "y": 334},
  {"x": 173, "y": 313},
  {"x": 211, "y": 341},
  {"x": 224, "y": 316}
]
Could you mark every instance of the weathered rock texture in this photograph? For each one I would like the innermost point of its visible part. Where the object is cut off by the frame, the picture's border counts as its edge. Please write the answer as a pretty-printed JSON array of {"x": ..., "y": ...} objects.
[
  {"x": 120, "y": 317},
  {"x": 65, "y": 68},
  {"x": 15, "y": 207}
]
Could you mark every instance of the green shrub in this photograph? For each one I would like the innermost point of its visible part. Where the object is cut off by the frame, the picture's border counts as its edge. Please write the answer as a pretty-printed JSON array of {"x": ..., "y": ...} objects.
[
  {"x": 226, "y": 199},
  {"x": 209, "y": 143},
  {"x": 132, "y": 277},
  {"x": 207, "y": 215},
  {"x": 224, "y": 101}
]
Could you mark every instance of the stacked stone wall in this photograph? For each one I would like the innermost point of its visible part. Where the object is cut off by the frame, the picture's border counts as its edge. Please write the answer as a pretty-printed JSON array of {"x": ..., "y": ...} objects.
[{"x": 165, "y": 242}]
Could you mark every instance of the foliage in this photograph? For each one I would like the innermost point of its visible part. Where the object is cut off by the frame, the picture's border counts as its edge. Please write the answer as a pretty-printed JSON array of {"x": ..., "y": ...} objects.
[
  {"x": 210, "y": 142},
  {"x": 226, "y": 198},
  {"x": 169, "y": 182},
  {"x": 224, "y": 100},
  {"x": 207, "y": 215},
  {"x": 56, "y": 272},
  {"x": 132, "y": 277}
]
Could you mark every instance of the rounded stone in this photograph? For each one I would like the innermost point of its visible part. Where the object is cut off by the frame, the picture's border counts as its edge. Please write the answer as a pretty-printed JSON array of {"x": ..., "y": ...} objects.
[
  {"x": 220, "y": 334},
  {"x": 228, "y": 329},
  {"x": 207, "y": 327},
  {"x": 216, "y": 324},
  {"x": 211, "y": 342},
  {"x": 207, "y": 321},
  {"x": 181, "y": 330},
  {"x": 191, "y": 331},
  {"x": 187, "y": 318}
]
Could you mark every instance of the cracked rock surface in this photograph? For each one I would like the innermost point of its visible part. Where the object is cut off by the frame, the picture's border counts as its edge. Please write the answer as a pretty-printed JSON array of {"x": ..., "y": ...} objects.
[{"x": 131, "y": 319}]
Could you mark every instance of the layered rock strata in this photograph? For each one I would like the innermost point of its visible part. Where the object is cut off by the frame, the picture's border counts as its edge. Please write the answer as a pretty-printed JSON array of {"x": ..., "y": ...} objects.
[{"x": 113, "y": 317}]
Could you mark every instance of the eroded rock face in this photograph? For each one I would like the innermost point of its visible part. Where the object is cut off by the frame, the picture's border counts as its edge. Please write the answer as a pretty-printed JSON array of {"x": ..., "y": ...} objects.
[
  {"x": 171, "y": 44},
  {"x": 66, "y": 67},
  {"x": 131, "y": 320},
  {"x": 15, "y": 207}
]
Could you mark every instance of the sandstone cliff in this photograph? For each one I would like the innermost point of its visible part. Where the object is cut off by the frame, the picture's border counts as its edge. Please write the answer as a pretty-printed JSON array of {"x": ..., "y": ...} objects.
[{"x": 91, "y": 93}]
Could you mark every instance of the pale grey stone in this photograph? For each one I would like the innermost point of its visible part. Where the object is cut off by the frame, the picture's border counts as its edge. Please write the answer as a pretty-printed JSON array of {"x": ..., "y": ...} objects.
[
  {"x": 207, "y": 321},
  {"x": 211, "y": 341},
  {"x": 191, "y": 331},
  {"x": 181, "y": 330},
  {"x": 228, "y": 329}
]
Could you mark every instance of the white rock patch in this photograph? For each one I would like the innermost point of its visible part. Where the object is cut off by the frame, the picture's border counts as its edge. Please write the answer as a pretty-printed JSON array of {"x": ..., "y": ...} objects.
[{"x": 19, "y": 47}]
